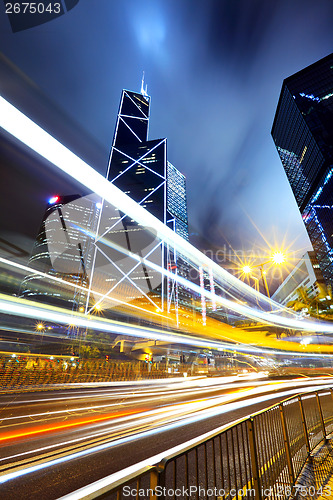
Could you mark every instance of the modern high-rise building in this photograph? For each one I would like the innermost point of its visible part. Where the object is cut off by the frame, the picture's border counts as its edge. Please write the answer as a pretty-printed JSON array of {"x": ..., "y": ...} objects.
[
  {"x": 303, "y": 134},
  {"x": 177, "y": 201},
  {"x": 62, "y": 253},
  {"x": 178, "y": 221},
  {"x": 306, "y": 274},
  {"x": 139, "y": 167},
  {"x": 90, "y": 243}
]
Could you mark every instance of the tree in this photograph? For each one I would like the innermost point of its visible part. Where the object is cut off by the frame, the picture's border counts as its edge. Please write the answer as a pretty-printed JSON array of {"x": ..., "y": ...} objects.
[
  {"x": 89, "y": 352},
  {"x": 318, "y": 306}
]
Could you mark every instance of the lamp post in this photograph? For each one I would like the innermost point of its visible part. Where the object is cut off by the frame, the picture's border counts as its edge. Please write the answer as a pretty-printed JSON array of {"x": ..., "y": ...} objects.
[
  {"x": 264, "y": 280},
  {"x": 277, "y": 259}
]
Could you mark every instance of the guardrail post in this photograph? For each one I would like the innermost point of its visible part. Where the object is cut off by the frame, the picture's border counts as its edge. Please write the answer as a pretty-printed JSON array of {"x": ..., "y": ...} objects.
[
  {"x": 159, "y": 478},
  {"x": 306, "y": 435},
  {"x": 321, "y": 416},
  {"x": 153, "y": 483},
  {"x": 254, "y": 458},
  {"x": 287, "y": 445}
]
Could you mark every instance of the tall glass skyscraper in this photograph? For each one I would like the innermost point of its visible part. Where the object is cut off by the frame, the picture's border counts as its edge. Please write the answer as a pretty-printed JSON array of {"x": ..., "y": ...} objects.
[
  {"x": 87, "y": 249},
  {"x": 63, "y": 252},
  {"x": 177, "y": 200},
  {"x": 303, "y": 134},
  {"x": 139, "y": 167}
]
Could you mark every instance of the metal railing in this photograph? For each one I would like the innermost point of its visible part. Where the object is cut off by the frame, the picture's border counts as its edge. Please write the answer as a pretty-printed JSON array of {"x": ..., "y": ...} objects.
[{"x": 258, "y": 457}]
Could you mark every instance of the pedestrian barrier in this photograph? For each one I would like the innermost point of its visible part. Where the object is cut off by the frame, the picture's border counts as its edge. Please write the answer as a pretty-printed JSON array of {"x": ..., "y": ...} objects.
[
  {"x": 20, "y": 371},
  {"x": 260, "y": 457},
  {"x": 23, "y": 371}
]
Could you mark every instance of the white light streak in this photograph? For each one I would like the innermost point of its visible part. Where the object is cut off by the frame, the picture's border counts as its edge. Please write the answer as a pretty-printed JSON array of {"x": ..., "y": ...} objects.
[
  {"x": 28, "y": 132},
  {"x": 211, "y": 412},
  {"x": 24, "y": 129},
  {"x": 28, "y": 309}
]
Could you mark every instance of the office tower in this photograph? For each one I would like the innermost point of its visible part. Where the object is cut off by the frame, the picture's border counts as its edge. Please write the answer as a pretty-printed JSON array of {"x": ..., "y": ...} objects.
[
  {"x": 63, "y": 252},
  {"x": 139, "y": 168},
  {"x": 177, "y": 200},
  {"x": 178, "y": 221},
  {"x": 88, "y": 242},
  {"x": 303, "y": 134},
  {"x": 306, "y": 274}
]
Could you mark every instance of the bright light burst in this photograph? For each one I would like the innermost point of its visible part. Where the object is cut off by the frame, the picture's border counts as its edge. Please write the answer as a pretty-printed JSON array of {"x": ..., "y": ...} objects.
[
  {"x": 278, "y": 258},
  {"x": 246, "y": 269}
]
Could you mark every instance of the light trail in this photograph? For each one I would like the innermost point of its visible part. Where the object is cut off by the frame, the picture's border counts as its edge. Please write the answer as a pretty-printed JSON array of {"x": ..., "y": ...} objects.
[
  {"x": 199, "y": 416},
  {"x": 161, "y": 418},
  {"x": 230, "y": 383},
  {"x": 76, "y": 286},
  {"x": 33, "y": 431},
  {"x": 30, "y": 134},
  {"x": 25, "y": 308}
]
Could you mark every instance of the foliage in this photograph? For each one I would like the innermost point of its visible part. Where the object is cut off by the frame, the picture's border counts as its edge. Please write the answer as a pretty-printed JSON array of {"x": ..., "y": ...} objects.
[
  {"x": 318, "y": 306},
  {"x": 86, "y": 351}
]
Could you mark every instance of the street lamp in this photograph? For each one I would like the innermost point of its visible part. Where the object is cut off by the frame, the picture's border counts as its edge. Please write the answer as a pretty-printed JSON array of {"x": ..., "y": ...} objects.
[
  {"x": 277, "y": 258},
  {"x": 40, "y": 327}
]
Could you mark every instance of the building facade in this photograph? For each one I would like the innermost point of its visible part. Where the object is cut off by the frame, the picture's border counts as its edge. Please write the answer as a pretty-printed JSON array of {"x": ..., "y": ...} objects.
[
  {"x": 62, "y": 253},
  {"x": 306, "y": 274},
  {"x": 303, "y": 134},
  {"x": 139, "y": 167},
  {"x": 177, "y": 201},
  {"x": 93, "y": 256}
]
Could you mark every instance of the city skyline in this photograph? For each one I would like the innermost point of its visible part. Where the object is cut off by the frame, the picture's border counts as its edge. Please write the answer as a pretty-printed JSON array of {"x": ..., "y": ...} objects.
[
  {"x": 214, "y": 98},
  {"x": 142, "y": 345}
]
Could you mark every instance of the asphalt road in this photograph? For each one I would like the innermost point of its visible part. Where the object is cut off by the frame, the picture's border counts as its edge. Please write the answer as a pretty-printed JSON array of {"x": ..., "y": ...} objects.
[{"x": 57, "y": 441}]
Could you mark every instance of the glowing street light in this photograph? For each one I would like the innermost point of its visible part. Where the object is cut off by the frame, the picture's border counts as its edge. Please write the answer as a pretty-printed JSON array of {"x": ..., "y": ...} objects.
[
  {"x": 97, "y": 308},
  {"x": 278, "y": 258}
]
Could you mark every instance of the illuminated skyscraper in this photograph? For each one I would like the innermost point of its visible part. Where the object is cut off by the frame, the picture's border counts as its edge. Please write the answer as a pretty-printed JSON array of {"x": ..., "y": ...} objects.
[
  {"x": 89, "y": 243},
  {"x": 177, "y": 200},
  {"x": 303, "y": 135},
  {"x": 63, "y": 252},
  {"x": 139, "y": 168},
  {"x": 178, "y": 221}
]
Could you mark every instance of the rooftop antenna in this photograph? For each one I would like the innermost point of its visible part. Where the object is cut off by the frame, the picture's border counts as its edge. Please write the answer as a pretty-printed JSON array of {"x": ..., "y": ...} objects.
[{"x": 143, "y": 87}]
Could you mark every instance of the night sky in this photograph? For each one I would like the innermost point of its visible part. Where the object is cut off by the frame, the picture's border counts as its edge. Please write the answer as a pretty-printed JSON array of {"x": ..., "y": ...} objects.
[{"x": 214, "y": 70}]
